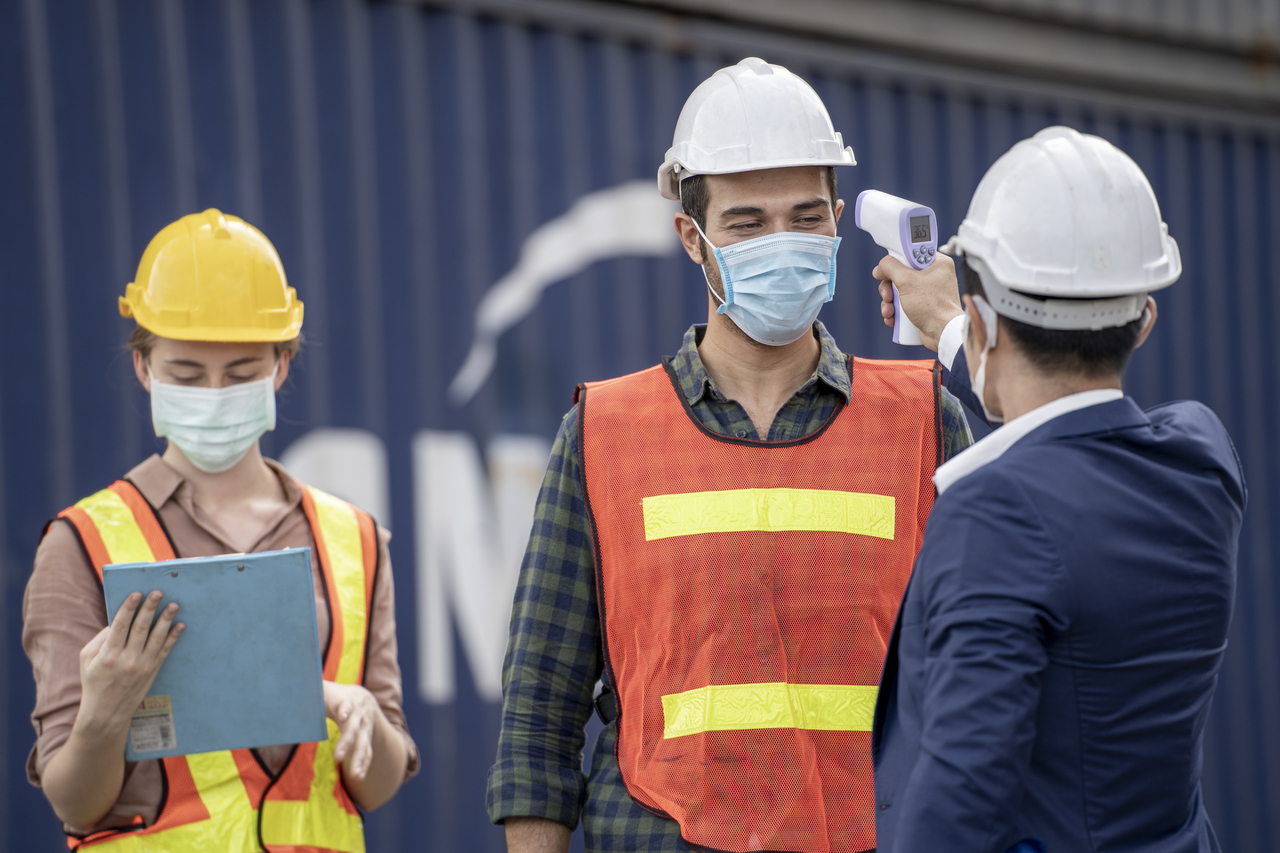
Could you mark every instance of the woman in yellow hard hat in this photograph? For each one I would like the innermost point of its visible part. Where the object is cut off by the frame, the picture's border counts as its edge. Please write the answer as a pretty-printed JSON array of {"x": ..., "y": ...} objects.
[{"x": 217, "y": 328}]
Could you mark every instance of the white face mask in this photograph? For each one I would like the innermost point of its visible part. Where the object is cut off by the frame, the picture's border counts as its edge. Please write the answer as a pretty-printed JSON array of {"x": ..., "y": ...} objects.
[
  {"x": 989, "y": 319},
  {"x": 214, "y": 427}
]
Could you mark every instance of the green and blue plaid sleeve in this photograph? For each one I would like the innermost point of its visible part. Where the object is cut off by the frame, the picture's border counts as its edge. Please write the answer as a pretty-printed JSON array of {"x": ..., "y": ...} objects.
[
  {"x": 956, "y": 435},
  {"x": 553, "y": 655}
]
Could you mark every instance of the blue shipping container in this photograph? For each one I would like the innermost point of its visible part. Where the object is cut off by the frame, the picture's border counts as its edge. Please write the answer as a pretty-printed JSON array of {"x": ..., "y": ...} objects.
[{"x": 405, "y": 160}]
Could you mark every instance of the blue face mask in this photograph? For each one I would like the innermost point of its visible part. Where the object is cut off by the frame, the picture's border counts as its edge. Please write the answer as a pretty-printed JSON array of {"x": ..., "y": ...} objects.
[{"x": 774, "y": 286}]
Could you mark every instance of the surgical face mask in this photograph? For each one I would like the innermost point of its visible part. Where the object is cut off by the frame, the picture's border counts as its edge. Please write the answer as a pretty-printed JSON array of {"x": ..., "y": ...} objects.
[
  {"x": 989, "y": 319},
  {"x": 214, "y": 427},
  {"x": 774, "y": 286}
]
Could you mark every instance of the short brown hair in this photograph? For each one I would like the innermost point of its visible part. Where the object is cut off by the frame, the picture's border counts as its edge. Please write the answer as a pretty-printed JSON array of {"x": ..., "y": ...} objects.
[
  {"x": 1093, "y": 353},
  {"x": 141, "y": 340}
]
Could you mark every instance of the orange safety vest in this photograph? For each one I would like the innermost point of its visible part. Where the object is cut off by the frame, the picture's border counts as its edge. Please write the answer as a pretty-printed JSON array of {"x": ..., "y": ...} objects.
[
  {"x": 227, "y": 801},
  {"x": 747, "y": 591}
]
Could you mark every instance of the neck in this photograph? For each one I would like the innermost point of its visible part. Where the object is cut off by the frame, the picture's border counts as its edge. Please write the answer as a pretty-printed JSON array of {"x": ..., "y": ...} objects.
[
  {"x": 758, "y": 376},
  {"x": 248, "y": 479},
  {"x": 1025, "y": 389}
]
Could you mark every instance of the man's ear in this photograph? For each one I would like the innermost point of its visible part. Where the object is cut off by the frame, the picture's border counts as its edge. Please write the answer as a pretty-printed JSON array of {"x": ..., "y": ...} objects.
[
  {"x": 140, "y": 371},
  {"x": 977, "y": 328},
  {"x": 1151, "y": 308},
  {"x": 689, "y": 236},
  {"x": 838, "y": 209}
]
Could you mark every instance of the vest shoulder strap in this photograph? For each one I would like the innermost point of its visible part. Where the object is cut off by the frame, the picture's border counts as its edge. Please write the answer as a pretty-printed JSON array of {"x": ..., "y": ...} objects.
[
  {"x": 347, "y": 547},
  {"x": 117, "y": 525}
]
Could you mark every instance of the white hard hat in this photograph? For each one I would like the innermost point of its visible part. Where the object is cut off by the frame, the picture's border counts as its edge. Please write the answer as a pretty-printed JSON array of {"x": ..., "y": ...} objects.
[
  {"x": 750, "y": 116},
  {"x": 1069, "y": 218}
]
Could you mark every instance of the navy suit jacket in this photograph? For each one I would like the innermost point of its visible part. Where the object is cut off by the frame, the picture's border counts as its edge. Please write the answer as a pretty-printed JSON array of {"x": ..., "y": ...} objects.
[{"x": 1058, "y": 645}]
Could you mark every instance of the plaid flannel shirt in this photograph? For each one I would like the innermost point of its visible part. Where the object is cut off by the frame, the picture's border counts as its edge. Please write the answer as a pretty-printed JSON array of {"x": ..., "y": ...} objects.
[{"x": 554, "y": 656}]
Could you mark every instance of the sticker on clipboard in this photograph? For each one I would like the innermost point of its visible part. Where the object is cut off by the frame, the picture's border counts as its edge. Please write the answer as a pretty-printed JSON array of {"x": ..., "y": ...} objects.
[{"x": 151, "y": 728}]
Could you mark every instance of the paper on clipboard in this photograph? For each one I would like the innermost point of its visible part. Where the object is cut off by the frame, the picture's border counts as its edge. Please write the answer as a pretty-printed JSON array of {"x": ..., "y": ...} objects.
[{"x": 246, "y": 672}]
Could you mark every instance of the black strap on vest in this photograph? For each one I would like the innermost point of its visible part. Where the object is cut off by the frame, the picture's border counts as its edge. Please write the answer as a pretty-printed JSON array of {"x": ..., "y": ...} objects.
[{"x": 607, "y": 704}]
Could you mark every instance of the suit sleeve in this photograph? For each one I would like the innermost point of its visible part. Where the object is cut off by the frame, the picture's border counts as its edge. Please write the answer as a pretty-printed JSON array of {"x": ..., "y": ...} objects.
[{"x": 990, "y": 577}]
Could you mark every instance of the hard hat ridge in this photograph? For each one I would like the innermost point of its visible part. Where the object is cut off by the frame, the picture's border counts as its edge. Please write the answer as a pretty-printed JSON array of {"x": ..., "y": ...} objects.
[
  {"x": 750, "y": 116},
  {"x": 213, "y": 277}
]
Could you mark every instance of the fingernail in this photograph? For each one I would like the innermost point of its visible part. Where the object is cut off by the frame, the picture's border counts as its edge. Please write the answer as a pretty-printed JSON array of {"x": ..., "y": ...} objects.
[
  {"x": 134, "y": 598},
  {"x": 156, "y": 595}
]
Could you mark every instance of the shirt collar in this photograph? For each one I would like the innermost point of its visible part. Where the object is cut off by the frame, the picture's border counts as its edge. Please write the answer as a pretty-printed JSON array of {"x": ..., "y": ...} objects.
[
  {"x": 696, "y": 383},
  {"x": 993, "y": 446},
  {"x": 155, "y": 480}
]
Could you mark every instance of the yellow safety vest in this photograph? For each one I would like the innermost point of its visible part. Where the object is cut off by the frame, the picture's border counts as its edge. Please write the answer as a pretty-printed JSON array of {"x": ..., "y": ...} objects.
[{"x": 226, "y": 801}]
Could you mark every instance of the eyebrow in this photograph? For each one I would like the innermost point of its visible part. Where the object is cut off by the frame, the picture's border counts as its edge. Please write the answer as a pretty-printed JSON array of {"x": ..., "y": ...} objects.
[
  {"x": 743, "y": 211},
  {"x": 759, "y": 211},
  {"x": 199, "y": 365}
]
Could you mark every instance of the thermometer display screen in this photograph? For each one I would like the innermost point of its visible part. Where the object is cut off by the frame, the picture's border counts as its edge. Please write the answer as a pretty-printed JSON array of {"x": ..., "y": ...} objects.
[{"x": 920, "y": 231}]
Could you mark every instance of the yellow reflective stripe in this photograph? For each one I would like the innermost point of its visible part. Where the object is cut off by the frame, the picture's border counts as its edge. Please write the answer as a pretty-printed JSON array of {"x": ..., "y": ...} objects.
[
  {"x": 777, "y": 705},
  {"x": 741, "y": 510},
  {"x": 232, "y": 826},
  {"x": 321, "y": 821},
  {"x": 119, "y": 531},
  {"x": 341, "y": 533}
]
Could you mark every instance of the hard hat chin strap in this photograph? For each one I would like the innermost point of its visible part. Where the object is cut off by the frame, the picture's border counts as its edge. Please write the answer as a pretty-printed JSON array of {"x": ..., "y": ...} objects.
[{"x": 1066, "y": 314}]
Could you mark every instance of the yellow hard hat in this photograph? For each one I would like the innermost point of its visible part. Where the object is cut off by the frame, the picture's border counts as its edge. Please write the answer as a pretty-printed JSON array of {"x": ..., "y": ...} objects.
[{"x": 213, "y": 277}]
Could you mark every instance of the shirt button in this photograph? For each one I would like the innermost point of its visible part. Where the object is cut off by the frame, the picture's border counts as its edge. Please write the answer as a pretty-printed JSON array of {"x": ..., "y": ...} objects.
[{"x": 742, "y": 433}]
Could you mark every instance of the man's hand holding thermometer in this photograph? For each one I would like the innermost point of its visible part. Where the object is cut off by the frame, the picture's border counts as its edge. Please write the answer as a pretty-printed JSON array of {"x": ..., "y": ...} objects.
[{"x": 909, "y": 232}]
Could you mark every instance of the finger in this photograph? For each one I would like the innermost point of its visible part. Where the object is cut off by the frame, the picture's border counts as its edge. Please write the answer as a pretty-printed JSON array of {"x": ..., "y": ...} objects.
[
  {"x": 142, "y": 624},
  {"x": 160, "y": 633},
  {"x": 345, "y": 741},
  {"x": 124, "y": 618},
  {"x": 362, "y": 755},
  {"x": 891, "y": 269},
  {"x": 169, "y": 640}
]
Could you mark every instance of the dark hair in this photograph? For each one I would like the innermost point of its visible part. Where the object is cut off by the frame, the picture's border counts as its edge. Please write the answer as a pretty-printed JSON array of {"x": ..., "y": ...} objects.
[
  {"x": 1105, "y": 352},
  {"x": 141, "y": 340},
  {"x": 694, "y": 195}
]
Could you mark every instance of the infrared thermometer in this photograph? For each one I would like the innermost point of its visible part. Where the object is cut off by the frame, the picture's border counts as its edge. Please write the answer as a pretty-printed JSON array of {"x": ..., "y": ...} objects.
[{"x": 909, "y": 232}]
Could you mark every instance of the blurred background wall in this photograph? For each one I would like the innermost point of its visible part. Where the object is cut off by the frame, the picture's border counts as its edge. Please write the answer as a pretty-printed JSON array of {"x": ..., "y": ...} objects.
[{"x": 462, "y": 193}]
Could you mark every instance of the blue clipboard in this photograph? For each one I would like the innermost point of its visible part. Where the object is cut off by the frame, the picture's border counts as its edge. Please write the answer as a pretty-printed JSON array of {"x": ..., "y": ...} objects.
[{"x": 246, "y": 672}]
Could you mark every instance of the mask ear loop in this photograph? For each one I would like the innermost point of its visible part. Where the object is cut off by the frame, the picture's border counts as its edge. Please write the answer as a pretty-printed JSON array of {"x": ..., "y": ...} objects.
[{"x": 703, "y": 265}]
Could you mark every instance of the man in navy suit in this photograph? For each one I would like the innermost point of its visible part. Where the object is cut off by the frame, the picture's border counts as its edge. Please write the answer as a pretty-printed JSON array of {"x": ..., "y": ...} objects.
[{"x": 1056, "y": 651}]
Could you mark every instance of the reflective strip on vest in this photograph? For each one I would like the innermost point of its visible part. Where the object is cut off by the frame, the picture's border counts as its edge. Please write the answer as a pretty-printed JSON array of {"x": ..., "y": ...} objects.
[
  {"x": 747, "y": 593},
  {"x": 307, "y": 807},
  {"x": 739, "y": 510},
  {"x": 737, "y": 707}
]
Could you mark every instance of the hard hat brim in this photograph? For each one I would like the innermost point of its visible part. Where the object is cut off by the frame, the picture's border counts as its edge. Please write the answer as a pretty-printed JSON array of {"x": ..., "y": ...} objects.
[
  {"x": 668, "y": 184},
  {"x": 233, "y": 334}
]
